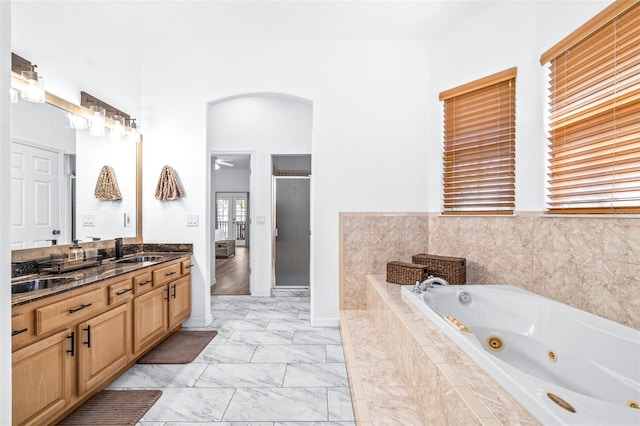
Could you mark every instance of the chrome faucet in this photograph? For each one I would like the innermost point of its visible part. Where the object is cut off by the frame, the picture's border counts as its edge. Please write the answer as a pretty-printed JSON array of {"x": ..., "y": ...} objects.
[
  {"x": 118, "y": 248},
  {"x": 430, "y": 282}
]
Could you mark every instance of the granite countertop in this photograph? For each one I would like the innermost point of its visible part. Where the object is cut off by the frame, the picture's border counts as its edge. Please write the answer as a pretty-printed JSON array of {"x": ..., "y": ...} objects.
[{"x": 109, "y": 268}]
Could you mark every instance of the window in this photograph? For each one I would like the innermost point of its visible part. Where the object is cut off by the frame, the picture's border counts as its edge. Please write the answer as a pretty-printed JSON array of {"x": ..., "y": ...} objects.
[
  {"x": 479, "y": 146},
  {"x": 594, "y": 130}
]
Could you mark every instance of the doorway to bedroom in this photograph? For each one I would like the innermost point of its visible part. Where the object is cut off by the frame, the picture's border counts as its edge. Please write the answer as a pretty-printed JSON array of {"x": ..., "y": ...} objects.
[{"x": 231, "y": 189}]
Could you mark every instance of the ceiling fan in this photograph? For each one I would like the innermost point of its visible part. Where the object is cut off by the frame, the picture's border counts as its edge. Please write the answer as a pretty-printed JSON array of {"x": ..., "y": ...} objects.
[{"x": 222, "y": 162}]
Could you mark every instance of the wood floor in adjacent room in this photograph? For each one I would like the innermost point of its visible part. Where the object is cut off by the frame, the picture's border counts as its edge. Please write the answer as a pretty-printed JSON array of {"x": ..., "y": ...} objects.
[{"x": 232, "y": 274}]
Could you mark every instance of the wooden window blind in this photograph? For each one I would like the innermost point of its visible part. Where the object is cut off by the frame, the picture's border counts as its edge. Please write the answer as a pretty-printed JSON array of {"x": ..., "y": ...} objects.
[
  {"x": 479, "y": 146},
  {"x": 594, "y": 130}
]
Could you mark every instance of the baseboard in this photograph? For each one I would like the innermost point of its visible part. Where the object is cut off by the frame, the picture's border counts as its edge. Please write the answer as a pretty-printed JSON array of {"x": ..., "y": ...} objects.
[
  {"x": 194, "y": 322},
  {"x": 261, "y": 293},
  {"x": 324, "y": 322}
]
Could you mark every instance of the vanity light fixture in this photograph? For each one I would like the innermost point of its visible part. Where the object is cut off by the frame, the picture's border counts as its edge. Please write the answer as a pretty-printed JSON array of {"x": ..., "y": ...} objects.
[
  {"x": 34, "y": 89},
  {"x": 97, "y": 122},
  {"x": 77, "y": 122},
  {"x": 117, "y": 131},
  {"x": 113, "y": 118},
  {"x": 31, "y": 84},
  {"x": 133, "y": 131},
  {"x": 14, "y": 95}
]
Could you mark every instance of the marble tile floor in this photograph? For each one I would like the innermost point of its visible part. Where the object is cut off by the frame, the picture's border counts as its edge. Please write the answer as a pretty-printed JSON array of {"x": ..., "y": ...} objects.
[{"x": 266, "y": 367}]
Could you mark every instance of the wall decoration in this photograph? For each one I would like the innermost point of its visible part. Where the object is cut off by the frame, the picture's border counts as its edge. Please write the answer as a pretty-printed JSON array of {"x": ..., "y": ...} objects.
[
  {"x": 169, "y": 187},
  {"x": 107, "y": 186}
]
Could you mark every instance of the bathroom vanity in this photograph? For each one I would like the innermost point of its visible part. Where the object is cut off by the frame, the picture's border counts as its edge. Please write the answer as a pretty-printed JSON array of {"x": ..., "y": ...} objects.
[{"x": 74, "y": 334}]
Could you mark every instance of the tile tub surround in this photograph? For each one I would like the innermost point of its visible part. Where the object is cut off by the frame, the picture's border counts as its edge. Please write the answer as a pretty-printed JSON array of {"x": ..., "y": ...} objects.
[
  {"x": 591, "y": 263},
  {"x": 266, "y": 367},
  {"x": 442, "y": 383}
]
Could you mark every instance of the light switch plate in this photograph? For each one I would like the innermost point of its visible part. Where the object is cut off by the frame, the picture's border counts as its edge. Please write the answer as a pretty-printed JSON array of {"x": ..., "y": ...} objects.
[
  {"x": 193, "y": 220},
  {"x": 127, "y": 220},
  {"x": 87, "y": 220}
]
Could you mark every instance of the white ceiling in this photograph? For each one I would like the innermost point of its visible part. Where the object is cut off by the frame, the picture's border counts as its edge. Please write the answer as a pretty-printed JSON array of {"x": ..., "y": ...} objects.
[
  {"x": 215, "y": 20},
  {"x": 239, "y": 161}
]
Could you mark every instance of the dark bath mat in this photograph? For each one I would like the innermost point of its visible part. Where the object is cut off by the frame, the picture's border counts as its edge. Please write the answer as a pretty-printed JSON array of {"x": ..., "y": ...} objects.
[
  {"x": 113, "y": 407},
  {"x": 180, "y": 348}
]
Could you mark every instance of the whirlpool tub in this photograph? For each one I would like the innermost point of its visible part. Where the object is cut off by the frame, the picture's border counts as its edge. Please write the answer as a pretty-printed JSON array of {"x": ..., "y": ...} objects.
[{"x": 566, "y": 366}]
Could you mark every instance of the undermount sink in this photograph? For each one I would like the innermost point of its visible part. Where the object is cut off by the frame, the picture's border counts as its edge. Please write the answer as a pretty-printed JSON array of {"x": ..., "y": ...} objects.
[
  {"x": 38, "y": 284},
  {"x": 139, "y": 259}
]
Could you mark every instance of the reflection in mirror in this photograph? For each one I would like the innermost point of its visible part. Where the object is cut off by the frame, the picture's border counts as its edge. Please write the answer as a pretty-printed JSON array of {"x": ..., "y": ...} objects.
[{"x": 54, "y": 170}]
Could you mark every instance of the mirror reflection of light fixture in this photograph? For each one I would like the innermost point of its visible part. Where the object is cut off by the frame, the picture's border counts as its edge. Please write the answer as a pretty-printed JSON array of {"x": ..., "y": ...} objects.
[
  {"x": 33, "y": 91},
  {"x": 14, "y": 95},
  {"x": 116, "y": 120},
  {"x": 117, "y": 131},
  {"x": 77, "y": 122},
  {"x": 96, "y": 122},
  {"x": 133, "y": 131}
]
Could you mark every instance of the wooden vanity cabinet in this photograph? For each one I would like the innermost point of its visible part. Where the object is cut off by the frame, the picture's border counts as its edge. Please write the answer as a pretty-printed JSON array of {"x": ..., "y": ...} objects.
[
  {"x": 150, "y": 317},
  {"x": 179, "y": 300},
  {"x": 104, "y": 347},
  {"x": 158, "y": 311},
  {"x": 68, "y": 346},
  {"x": 43, "y": 376}
]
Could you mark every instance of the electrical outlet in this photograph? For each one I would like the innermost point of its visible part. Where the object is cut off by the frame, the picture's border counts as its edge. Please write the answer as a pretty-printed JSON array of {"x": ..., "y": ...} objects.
[
  {"x": 192, "y": 220},
  {"x": 127, "y": 220}
]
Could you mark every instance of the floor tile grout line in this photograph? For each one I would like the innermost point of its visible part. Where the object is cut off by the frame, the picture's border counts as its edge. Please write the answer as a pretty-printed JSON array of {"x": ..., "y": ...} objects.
[{"x": 235, "y": 390}]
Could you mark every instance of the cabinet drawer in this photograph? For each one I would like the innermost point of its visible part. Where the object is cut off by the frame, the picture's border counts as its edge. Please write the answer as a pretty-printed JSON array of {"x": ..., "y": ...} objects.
[
  {"x": 166, "y": 274},
  {"x": 21, "y": 329},
  {"x": 120, "y": 291},
  {"x": 142, "y": 283},
  {"x": 186, "y": 266},
  {"x": 66, "y": 312}
]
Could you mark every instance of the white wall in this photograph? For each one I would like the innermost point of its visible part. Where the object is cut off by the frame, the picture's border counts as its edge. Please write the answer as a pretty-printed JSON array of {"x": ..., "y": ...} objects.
[
  {"x": 78, "y": 46},
  {"x": 264, "y": 125},
  {"x": 108, "y": 216},
  {"x": 506, "y": 35},
  {"x": 369, "y": 108},
  {"x": 5, "y": 254}
]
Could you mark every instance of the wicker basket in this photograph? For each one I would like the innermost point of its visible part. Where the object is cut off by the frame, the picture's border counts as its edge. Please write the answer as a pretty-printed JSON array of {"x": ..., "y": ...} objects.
[
  {"x": 405, "y": 273},
  {"x": 452, "y": 269}
]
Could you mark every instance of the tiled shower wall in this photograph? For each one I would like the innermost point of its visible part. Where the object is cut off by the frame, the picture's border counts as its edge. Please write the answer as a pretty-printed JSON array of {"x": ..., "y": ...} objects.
[{"x": 592, "y": 263}]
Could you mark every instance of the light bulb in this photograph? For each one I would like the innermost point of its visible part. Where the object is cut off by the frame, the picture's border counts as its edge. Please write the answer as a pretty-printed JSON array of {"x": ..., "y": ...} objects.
[
  {"x": 77, "y": 122},
  {"x": 96, "y": 122},
  {"x": 33, "y": 91}
]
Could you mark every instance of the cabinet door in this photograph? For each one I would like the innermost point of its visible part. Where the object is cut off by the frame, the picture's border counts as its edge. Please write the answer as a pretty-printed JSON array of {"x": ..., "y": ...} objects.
[
  {"x": 150, "y": 318},
  {"x": 43, "y": 375},
  {"x": 179, "y": 300},
  {"x": 104, "y": 347}
]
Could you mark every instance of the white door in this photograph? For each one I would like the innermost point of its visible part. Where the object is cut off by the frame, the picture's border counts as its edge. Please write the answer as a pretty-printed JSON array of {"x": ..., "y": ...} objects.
[
  {"x": 232, "y": 213},
  {"x": 35, "y": 195}
]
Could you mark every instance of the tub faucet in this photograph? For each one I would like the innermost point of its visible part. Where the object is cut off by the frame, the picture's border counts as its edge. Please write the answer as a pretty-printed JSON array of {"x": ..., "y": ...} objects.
[
  {"x": 118, "y": 248},
  {"x": 430, "y": 282}
]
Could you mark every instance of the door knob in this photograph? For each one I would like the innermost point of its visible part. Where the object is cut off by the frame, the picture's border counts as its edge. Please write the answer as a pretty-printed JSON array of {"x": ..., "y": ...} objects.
[{"x": 56, "y": 232}]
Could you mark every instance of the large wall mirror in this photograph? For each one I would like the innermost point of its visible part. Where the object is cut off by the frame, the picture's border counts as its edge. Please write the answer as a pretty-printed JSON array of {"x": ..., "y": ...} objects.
[{"x": 54, "y": 172}]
